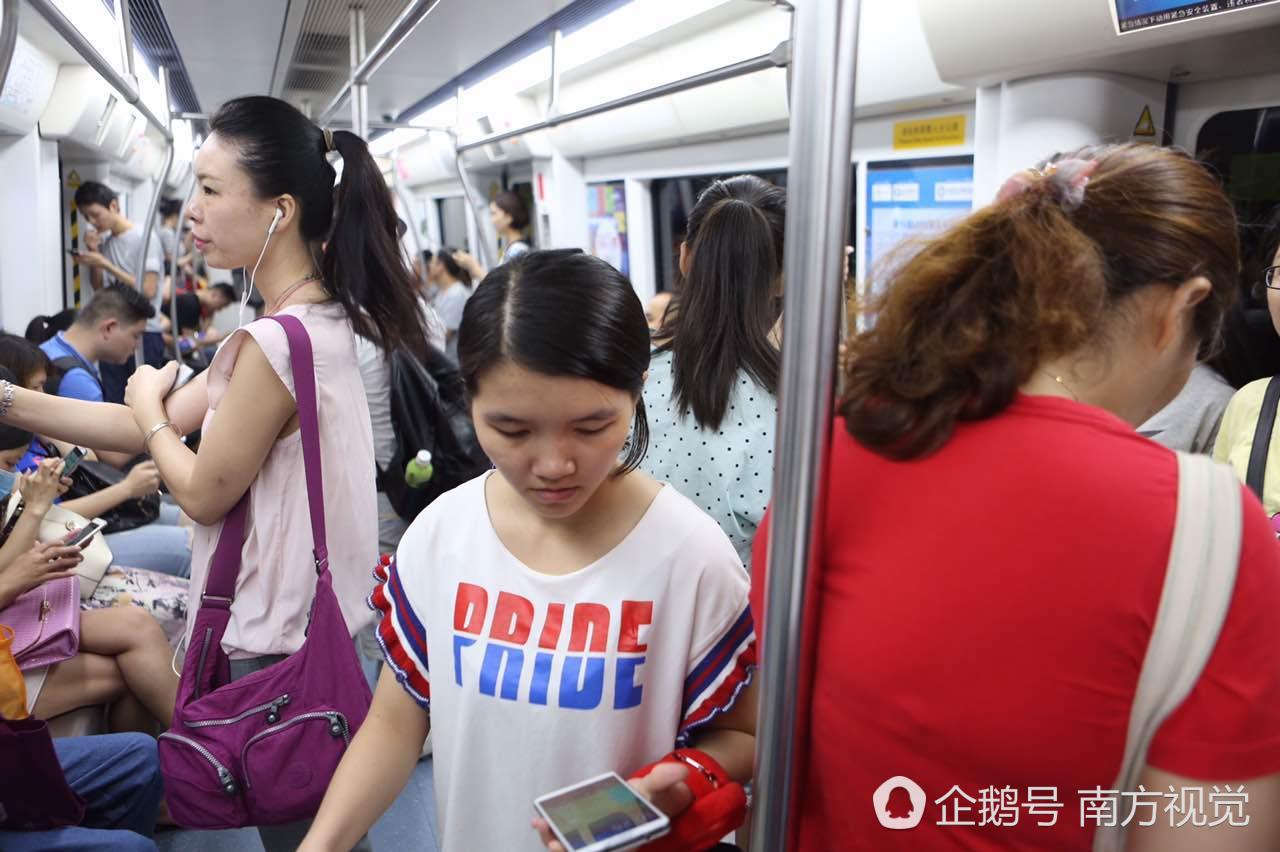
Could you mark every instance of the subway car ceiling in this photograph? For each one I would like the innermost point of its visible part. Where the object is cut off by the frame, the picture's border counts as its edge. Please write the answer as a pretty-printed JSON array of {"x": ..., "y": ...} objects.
[{"x": 972, "y": 91}]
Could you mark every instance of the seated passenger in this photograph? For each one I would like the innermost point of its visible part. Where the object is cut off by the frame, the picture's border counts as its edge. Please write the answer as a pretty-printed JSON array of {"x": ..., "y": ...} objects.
[
  {"x": 996, "y": 535},
  {"x": 42, "y": 328},
  {"x": 124, "y": 659},
  {"x": 164, "y": 545},
  {"x": 565, "y": 536},
  {"x": 118, "y": 776},
  {"x": 1240, "y": 422},
  {"x": 711, "y": 392},
  {"x": 195, "y": 314},
  {"x": 106, "y": 331}
]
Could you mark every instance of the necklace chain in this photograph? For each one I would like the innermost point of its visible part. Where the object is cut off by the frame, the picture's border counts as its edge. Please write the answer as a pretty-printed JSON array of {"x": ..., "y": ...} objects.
[
  {"x": 1064, "y": 385},
  {"x": 291, "y": 289}
]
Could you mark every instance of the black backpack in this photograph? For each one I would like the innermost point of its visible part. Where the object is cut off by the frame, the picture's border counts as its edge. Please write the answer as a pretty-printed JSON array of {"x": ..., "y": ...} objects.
[
  {"x": 429, "y": 411},
  {"x": 59, "y": 368}
]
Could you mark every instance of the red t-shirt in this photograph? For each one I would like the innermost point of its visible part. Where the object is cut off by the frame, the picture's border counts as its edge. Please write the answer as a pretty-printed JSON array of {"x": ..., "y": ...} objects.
[{"x": 982, "y": 617}]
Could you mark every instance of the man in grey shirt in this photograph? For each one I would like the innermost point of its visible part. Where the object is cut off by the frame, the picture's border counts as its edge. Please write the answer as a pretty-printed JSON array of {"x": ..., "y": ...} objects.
[
  {"x": 112, "y": 259},
  {"x": 1190, "y": 423}
]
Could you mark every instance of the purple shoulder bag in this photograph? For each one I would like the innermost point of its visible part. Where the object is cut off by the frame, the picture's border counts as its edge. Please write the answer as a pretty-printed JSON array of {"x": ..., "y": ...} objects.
[{"x": 262, "y": 750}]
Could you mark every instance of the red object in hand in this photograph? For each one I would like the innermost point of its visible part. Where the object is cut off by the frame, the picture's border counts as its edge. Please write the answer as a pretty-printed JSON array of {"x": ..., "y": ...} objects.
[{"x": 719, "y": 804}]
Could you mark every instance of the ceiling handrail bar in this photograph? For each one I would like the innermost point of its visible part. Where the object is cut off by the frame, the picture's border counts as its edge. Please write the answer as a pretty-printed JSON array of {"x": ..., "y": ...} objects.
[
  {"x": 414, "y": 14},
  {"x": 706, "y": 78},
  {"x": 95, "y": 60}
]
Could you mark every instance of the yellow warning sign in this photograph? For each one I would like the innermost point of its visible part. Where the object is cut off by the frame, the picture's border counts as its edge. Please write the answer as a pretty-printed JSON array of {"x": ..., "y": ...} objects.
[
  {"x": 1146, "y": 124},
  {"x": 73, "y": 183},
  {"x": 929, "y": 132}
]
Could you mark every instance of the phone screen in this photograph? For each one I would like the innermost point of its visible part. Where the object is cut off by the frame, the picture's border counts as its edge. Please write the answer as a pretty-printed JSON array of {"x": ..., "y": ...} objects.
[
  {"x": 84, "y": 535},
  {"x": 7, "y": 481},
  {"x": 72, "y": 460},
  {"x": 597, "y": 810}
]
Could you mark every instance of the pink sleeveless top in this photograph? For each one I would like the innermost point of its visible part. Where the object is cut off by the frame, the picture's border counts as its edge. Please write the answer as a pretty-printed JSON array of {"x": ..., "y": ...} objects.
[{"x": 277, "y": 575}]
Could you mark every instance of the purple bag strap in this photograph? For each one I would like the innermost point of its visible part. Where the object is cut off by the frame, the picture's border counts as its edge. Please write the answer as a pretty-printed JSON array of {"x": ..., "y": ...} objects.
[{"x": 220, "y": 587}]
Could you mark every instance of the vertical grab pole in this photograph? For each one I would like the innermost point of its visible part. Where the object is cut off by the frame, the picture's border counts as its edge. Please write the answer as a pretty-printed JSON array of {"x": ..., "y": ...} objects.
[
  {"x": 148, "y": 224},
  {"x": 359, "y": 91},
  {"x": 177, "y": 253},
  {"x": 824, "y": 59}
]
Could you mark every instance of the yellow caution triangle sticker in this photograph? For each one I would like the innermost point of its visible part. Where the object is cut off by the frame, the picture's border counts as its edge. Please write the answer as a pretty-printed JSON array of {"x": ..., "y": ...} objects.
[{"x": 1146, "y": 125}]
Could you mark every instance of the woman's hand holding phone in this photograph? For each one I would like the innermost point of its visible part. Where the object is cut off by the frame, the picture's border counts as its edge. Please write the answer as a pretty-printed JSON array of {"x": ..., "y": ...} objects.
[
  {"x": 40, "y": 564},
  {"x": 664, "y": 787},
  {"x": 42, "y": 486}
]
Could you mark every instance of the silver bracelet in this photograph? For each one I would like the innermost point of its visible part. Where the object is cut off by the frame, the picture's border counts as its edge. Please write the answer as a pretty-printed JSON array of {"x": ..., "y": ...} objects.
[
  {"x": 163, "y": 424},
  {"x": 6, "y": 398}
]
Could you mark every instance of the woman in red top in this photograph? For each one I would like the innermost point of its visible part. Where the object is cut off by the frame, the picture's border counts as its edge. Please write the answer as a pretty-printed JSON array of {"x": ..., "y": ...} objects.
[{"x": 996, "y": 534}]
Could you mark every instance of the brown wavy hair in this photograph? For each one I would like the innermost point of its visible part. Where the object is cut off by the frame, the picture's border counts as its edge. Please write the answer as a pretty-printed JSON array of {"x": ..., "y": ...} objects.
[{"x": 966, "y": 320}]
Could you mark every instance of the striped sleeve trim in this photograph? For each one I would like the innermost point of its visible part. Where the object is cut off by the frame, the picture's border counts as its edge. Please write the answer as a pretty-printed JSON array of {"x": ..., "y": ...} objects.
[
  {"x": 715, "y": 682},
  {"x": 402, "y": 636}
]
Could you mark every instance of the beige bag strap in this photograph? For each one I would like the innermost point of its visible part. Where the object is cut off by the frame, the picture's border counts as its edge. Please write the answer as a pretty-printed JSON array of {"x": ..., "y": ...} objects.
[{"x": 1198, "y": 585}]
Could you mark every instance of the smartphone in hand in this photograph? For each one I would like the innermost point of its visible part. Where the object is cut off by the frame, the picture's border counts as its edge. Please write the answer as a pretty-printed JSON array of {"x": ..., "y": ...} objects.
[{"x": 601, "y": 814}]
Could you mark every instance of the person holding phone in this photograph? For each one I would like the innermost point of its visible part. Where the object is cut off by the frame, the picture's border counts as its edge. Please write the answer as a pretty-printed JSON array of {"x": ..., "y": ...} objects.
[
  {"x": 581, "y": 617},
  {"x": 124, "y": 656}
]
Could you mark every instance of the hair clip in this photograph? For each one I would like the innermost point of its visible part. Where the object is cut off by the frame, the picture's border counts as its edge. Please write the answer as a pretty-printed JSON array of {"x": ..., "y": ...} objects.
[
  {"x": 328, "y": 140},
  {"x": 1066, "y": 180}
]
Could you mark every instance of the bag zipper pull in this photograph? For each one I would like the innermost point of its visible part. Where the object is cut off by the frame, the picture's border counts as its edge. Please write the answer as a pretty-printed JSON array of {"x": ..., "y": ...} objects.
[
  {"x": 45, "y": 608},
  {"x": 335, "y": 725},
  {"x": 273, "y": 712},
  {"x": 228, "y": 783}
]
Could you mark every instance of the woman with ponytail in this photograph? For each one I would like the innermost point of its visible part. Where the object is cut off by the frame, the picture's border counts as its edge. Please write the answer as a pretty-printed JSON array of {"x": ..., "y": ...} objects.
[
  {"x": 712, "y": 386},
  {"x": 265, "y": 201},
  {"x": 997, "y": 536}
]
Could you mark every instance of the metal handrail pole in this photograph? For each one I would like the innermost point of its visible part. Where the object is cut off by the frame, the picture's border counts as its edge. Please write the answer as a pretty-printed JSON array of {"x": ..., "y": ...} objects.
[
  {"x": 173, "y": 295},
  {"x": 818, "y": 184},
  {"x": 553, "y": 102},
  {"x": 95, "y": 60},
  {"x": 706, "y": 78},
  {"x": 406, "y": 200},
  {"x": 414, "y": 14},
  {"x": 8, "y": 38},
  {"x": 149, "y": 223},
  {"x": 125, "y": 19}
]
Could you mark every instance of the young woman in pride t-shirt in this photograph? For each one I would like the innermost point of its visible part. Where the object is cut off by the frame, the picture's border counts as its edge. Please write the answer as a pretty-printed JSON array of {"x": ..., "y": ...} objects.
[{"x": 564, "y": 615}]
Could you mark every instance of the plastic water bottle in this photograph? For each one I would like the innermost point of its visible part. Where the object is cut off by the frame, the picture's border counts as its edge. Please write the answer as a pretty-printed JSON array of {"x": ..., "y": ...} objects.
[{"x": 418, "y": 471}]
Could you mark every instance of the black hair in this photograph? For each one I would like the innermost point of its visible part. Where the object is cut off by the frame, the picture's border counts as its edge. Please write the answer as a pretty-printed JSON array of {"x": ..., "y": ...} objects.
[
  {"x": 719, "y": 321},
  {"x": 119, "y": 302},
  {"x": 170, "y": 207},
  {"x": 42, "y": 328},
  {"x": 22, "y": 357},
  {"x": 11, "y": 437},
  {"x": 512, "y": 204},
  {"x": 92, "y": 192},
  {"x": 560, "y": 313},
  {"x": 285, "y": 153},
  {"x": 225, "y": 289},
  {"x": 452, "y": 267}
]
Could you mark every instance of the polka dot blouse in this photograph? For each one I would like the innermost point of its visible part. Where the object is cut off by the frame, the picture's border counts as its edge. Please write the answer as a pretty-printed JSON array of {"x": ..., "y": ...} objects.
[{"x": 727, "y": 472}]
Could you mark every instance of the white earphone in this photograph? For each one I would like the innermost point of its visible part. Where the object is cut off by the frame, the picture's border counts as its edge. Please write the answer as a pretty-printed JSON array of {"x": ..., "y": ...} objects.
[{"x": 248, "y": 290}]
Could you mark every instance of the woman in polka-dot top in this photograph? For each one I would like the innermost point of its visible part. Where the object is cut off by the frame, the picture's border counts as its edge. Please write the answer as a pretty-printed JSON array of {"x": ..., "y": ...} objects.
[{"x": 711, "y": 395}]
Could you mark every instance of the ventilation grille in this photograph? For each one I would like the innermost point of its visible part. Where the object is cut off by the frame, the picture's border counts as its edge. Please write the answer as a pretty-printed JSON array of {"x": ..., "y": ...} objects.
[
  {"x": 321, "y": 60},
  {"x": 154, "y": 40}
]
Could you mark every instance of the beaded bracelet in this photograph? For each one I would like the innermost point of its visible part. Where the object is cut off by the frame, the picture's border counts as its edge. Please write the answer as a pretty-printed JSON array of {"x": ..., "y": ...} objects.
[{"x": 6, "y": 398}]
